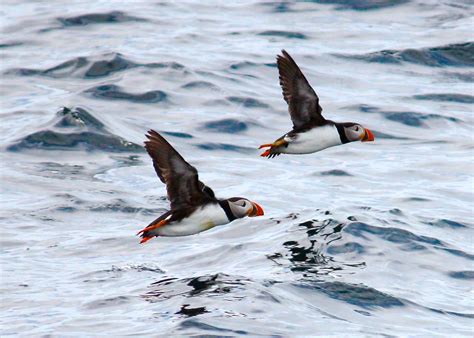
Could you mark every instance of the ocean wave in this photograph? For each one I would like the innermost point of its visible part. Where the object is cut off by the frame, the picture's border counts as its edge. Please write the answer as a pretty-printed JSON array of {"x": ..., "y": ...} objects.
[
  {"x": 357, "y": 5},
  {"x": 97, "y": 18},
  {"x": 247, "y": 102},
  {"x": 283, "y": 34},
  {"x": 200, "y": 85},
  {"x": 117, "y": 205},
  {"x": 454, "y": 55},
  {"x": 114, "y": 92},
  {"x": 94, "y": 66},
  {"x": 335, "y": 172},
  {"x": 356, "y": 294},
  {"x": 231, "y": 126},
  {"x": 225, "y": 147},
  {"x": 409, "y": 118},
  {"x": 458, "y": 98},
  {"x": 84, "y": 132},
  {"x": 210, "y": 285},
  {"x": 361, "y": 5}
]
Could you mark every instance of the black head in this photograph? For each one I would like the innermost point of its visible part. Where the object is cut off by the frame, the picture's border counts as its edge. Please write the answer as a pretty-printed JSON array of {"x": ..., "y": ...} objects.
[
  {"x": 350, "y": 132},
  {"x": 241, "y": 207}
]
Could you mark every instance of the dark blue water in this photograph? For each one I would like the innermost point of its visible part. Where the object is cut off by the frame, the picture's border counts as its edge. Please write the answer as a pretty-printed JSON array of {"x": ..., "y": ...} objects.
[{"x": 358, "y": 240}]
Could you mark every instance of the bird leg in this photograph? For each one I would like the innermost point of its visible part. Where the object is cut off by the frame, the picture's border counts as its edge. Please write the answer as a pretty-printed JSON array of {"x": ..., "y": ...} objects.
[
  {"x": 272, "y": 146},
  {"x": 149, "y": 228}
]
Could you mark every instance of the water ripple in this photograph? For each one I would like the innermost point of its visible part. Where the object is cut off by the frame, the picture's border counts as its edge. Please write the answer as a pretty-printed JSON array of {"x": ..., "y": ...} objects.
[
  {"x": 225, "y": 147},
  {"x": 114, "y": 92},
  {"x": 94, "y": 66},
  {"x": 284, "y": 34},
  {"x": 409, "y": 118},
  {"x": 460, "y": 98},
  {"x": 247, "y": 102},
  {"x": 84, "y": 132},
  {"x": 362, "y": 5},
  {"x": 97, "y": 18},
  {"x": 355, "y": 294},
  {"x": 454, "y": 55},
  {"x": 230, "y": 126}
]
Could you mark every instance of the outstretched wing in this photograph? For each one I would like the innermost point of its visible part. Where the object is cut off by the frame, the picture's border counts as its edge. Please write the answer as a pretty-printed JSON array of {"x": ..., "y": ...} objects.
[
  {"x": 303, "y": 103},
  {"x": 181, "y": 179}
]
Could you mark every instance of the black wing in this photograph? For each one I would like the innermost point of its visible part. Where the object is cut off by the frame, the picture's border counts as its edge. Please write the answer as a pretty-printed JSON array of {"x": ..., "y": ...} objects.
[
  {"x": 181, "y": 179},
  {"x": 303, "y": 103}
]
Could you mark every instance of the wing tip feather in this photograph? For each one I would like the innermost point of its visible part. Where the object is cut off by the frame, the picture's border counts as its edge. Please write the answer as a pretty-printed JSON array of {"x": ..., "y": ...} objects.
[{"x": 152, "y": 133}]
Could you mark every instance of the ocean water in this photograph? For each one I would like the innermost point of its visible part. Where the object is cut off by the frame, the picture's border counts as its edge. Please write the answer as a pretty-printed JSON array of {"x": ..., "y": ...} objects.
[{"x": 359, "y": 240}]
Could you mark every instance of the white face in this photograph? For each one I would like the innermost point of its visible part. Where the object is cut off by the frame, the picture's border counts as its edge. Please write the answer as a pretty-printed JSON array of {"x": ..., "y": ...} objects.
[
  {"x": 241, "y": 207},
  {"x": 354, "y": 133}
]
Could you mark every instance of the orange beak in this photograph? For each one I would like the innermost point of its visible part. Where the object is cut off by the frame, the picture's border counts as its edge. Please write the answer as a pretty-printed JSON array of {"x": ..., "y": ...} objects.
[
  {"x": 368, "y": 136},
  {"x": 257, "y": 210}
]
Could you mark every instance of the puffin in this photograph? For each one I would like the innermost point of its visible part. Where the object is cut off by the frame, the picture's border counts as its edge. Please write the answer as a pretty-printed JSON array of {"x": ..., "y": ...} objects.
[
  {"x": 311, "y": 131},
  {"x": 194, "y": 207}
]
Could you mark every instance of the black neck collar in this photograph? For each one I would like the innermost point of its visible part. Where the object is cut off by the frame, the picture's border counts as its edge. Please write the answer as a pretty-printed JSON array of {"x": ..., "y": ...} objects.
[
  {"x": 225, "y": 205},
  {"x": 342, "y": 134}
]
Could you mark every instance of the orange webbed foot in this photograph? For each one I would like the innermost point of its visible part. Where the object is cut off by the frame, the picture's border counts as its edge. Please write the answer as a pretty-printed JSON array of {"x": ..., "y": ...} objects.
[
  {"x": 149, "y": 228},
  {"x": 146, "y": 239}
]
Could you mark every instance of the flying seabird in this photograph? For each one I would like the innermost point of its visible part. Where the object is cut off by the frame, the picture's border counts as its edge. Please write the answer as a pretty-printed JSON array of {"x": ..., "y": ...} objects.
[
  {"x": 311, "y": 131},
  {"x": 194, "y": 207}
]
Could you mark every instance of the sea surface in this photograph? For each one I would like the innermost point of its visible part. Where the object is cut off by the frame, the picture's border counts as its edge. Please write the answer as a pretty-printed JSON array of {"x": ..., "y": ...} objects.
[{"x": 365, "y": 239}]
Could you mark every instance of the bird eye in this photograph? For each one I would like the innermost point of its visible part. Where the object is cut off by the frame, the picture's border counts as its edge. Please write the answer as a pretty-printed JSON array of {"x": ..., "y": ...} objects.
[{"x": 356, "y": 128}]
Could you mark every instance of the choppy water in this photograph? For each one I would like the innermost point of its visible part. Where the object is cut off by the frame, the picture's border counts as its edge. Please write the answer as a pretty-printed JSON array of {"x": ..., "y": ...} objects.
[{"x": 363, "y": 239}]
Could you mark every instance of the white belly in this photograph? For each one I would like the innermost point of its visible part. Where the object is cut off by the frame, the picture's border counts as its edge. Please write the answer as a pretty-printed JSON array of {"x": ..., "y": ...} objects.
[
  {"x": 202, "y": 219},
  {"x": 313, "y": 140}
]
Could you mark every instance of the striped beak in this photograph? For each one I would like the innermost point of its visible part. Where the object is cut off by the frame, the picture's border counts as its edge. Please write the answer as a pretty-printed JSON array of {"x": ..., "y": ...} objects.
[
  {"x": 368, "y": 136},
  {"x": 256, "y": 210}
]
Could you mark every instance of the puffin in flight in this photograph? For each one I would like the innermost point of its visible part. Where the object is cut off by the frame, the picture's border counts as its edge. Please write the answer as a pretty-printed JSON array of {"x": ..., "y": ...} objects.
[
  {"x": 194, "y": 207},
  {"x": 311, "y": 131}
]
